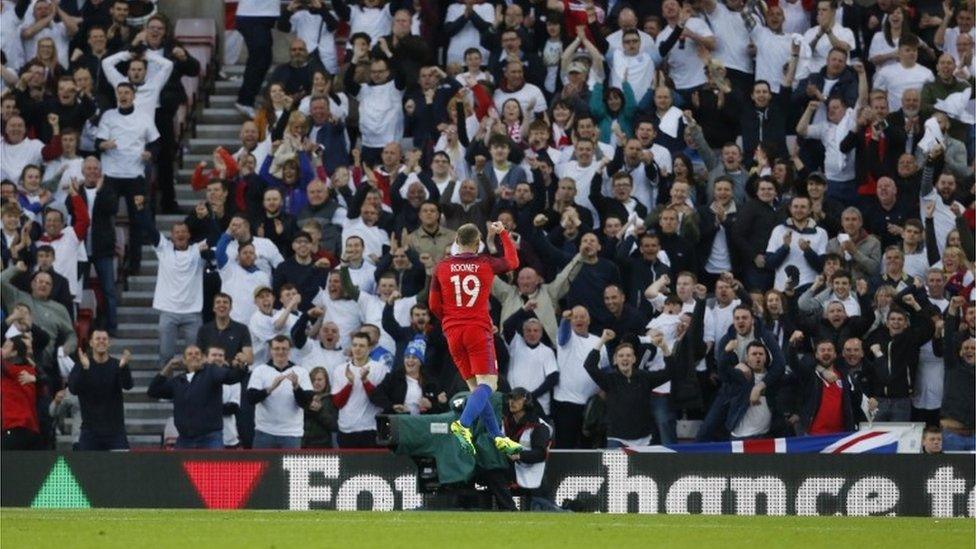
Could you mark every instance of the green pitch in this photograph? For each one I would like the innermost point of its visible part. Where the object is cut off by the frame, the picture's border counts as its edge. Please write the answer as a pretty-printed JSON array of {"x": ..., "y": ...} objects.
[{"x": 186, "y": 529}]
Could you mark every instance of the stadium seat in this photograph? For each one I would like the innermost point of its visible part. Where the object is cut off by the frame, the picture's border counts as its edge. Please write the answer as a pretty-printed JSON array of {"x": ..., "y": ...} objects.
[
  {"x": 196, "y": 31},
  {"x": 191, "y": 85},
  {"x": 203, "y": 54}
]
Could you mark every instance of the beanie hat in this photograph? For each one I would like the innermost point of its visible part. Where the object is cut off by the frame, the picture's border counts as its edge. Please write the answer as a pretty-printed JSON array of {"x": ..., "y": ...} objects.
[{"x": 416, "y": 348}]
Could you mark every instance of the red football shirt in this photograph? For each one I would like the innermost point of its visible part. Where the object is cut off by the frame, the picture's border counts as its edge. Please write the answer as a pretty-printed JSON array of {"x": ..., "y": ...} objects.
[
  {"x": 462, "y": 283},
  {"x": 830, "y": 416}
]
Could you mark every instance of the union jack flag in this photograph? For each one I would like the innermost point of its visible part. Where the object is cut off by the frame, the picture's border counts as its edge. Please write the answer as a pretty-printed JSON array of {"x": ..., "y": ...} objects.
[{"x": 874, "y": 441}]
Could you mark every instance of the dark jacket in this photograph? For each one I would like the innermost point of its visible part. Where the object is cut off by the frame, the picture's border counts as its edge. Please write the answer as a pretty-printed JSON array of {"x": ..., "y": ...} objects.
[
  {"x": 197, "y": 403},
  {"x": 845, "y": 88},
  {"x": 99, "y": 390},
  {"x": 766, "y": 126},
  {"x": 611, "y": 207},
  {"x": 754, "y": 223},
  {"x": 892, "y": 375},
  {"x": 308, "y": 279},
  {"x": 102, "y": 228},
  {"x": 708, "y": 231},
  {"x": 628, "y": 410},
  {"x": 393, "y": 390},
  {"x": 811, "y": 390},
  {"x": 960, "y": 378},
  {"x": 638, "y": 273}
]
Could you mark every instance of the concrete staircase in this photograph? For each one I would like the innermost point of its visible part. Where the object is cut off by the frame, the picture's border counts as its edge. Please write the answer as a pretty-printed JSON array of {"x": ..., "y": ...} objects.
[{"x": 217, "y": 123}]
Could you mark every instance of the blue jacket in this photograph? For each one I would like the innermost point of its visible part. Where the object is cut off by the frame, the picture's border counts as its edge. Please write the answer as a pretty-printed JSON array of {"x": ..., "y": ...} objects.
[
  {"x": 197, "y": 404},
  {"x": 732, "y": 399}
]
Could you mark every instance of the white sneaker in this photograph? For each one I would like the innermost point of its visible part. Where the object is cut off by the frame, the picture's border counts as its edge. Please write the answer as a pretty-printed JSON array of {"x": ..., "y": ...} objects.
[{"x": 245, "y": 110}]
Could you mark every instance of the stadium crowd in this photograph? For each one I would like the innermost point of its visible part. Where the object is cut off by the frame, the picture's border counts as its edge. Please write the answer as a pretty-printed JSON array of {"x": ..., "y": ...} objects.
[{"x": 758, "y": 215}]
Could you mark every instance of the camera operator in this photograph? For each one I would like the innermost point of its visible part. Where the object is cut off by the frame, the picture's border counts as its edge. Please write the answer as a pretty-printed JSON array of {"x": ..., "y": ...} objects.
[{"x": 523, "y": 424}]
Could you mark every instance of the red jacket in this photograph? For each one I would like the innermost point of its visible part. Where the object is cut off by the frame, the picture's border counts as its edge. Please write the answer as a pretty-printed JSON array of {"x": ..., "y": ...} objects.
[{"x": 18, "y": 403}]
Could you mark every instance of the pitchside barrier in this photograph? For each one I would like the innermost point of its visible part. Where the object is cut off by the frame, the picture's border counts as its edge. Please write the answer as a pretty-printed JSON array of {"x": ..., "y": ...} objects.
[{"x": 596, "y": 481}]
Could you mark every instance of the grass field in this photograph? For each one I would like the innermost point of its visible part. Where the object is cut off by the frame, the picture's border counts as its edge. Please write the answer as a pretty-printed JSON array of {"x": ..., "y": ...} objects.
[{"x": 191, "y": 529}]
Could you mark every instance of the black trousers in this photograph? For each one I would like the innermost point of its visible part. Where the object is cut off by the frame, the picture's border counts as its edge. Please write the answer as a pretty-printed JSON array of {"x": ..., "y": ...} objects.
[
  {"x": 359, "y": 439},
  {"x": 20, "y": 438},
  {"x": 129, "y": 188},
  {"x": 166, "y": 157},
  {"x": 257, "y": 37},
  {"x": 930, "y": 417},
  {"x": 568, "y": 418}
]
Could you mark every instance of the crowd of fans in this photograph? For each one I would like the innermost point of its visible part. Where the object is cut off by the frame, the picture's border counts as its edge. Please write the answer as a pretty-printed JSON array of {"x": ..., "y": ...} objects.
[{"x": 758, "y": 215}]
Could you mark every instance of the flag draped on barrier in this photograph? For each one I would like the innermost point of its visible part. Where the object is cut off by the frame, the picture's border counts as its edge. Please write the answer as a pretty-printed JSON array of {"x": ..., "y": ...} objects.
[{"x": 875, "y": 441}]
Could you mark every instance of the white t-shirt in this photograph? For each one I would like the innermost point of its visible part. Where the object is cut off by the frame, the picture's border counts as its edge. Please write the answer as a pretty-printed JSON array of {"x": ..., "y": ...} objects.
[
  {"x": 376, "y": 22},
  {"x": 261, "y": 327},
  {"x": 880, "y": 46},
  {"x": 796, "y": 19},
  {"x": 615, "y": 41},
  {"x": 131, "y": 133},
  {"x": 374, "y": 238},
  {"x": 239, "y": 284},
  {"x": 949, "y": 43},
  {"x": 772, "y": 53},
  {"x": 311, "y": 29},
  {"x": 380, "y": 113},
  {"x": 14, "y": 158},
  {"x": 685, "y": 67},
  {"x": 68, "y": 251},
  {"x": 838, "y": 165},
  {"x": 268, "y": 255},
  {"x": 528, "y": 367},
  {"x": 314, "y": 355},
  {"x": 582, "y": 176},
  {"x": 468, "y": 36},
  {"x": 10, "y": 37},
  {"x": 732, "y": 48},
  {"x": 819, "y": 53},
  {"x": 258, "y": 8},
  {"x": 179, "y": 281},
  {"x": 359, "y": 413},
  {"x": 530, "y": 97},
  {"x": 896, "y": 79},
  {"x": 639, "y": 70},
  {"x": 55, "y": 31},
  {"x": 279, "y": 414},
  {"x": 575, "y": 385},
  {"x": 231, "y": 394},
  {"x": 757, "y": 419},
  {"x": 818, "y": 243},
  {"x": 346, "y": 313}
]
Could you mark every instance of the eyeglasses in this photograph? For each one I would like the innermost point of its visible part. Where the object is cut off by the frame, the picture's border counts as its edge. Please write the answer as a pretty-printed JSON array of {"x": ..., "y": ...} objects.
[{"x": 632, "y": 41}]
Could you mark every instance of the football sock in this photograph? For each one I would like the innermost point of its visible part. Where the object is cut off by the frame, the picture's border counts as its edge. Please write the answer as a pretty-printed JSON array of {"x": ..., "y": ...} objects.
[
  {"x": 477, "y": 400},
  {"x": 490, "y": 420}
]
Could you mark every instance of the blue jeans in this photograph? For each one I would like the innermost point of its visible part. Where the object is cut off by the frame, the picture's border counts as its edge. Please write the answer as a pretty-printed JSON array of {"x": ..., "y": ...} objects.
[
  {"x": 171, "y": 325},
  {"x": 213, "y": 440},
  {"x": 665, "y": 419},
  {"x": 958, "y": 443},
  {"x": 256, "y": 32},
  {"x": 92, "y": 441},
  {"x": 105, "y": 267},
  {"x": 844, "y": 191},
  {"x": 264, "y": 441},
  {"x": 894, "y": 409}
]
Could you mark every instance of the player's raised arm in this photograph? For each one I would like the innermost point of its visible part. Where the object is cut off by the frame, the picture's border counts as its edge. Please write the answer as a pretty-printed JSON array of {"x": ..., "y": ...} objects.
[{"x": 510, "y": 261}]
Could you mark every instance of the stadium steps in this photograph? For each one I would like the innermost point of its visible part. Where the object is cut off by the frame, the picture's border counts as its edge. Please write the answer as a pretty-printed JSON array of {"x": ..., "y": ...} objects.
[{"x": 217, "y": 123}]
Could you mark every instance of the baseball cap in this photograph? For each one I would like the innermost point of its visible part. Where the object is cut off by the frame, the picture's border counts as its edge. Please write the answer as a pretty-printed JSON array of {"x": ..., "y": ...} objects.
[
  {"x": 577, "y": 66},
  {"x": 261, "y": 289}
]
